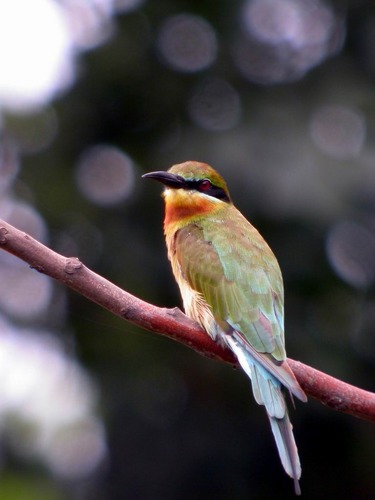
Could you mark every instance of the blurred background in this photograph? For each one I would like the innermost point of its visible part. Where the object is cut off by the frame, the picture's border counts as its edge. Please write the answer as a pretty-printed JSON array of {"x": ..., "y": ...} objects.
[{"x": 279, "y": 96}]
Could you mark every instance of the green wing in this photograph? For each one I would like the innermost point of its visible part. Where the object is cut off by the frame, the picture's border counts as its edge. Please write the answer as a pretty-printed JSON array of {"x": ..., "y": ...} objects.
[{"x": 229, "y": 263}]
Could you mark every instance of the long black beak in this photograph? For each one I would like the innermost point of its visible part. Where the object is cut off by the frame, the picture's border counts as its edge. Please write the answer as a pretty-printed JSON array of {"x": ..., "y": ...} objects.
[{"x": 166, "y": 178}]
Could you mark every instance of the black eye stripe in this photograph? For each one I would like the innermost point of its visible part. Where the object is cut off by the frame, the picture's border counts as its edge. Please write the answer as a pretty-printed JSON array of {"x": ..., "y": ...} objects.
[{"x": 211, "y": 189}]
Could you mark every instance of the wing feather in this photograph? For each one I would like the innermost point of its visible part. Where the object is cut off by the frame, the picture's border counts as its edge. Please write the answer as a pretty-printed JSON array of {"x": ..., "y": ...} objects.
[{"x": 238, "y": 281}]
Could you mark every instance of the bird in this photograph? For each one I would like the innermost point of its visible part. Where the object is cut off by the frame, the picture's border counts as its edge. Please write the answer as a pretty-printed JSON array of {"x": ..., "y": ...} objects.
[{"x": 231, "y": 285}]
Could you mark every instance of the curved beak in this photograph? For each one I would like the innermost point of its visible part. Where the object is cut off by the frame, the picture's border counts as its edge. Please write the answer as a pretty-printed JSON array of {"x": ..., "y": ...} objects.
[{"x": 166, "y": 178}]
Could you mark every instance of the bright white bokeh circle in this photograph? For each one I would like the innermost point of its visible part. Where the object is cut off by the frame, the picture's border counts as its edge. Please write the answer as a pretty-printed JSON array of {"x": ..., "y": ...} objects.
[{"x": 35, "y": 53}]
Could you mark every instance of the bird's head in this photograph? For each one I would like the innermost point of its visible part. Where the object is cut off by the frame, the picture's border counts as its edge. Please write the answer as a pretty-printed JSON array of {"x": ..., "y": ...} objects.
[
  {"x": 191, "y": 189},
  {"x": 197, "y": 179}
]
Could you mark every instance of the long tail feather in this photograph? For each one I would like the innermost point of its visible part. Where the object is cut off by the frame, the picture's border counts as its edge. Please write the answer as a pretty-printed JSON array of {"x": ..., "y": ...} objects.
[
  {"x": 283, "y": 433},
  {"x": 268, "y": 391}
]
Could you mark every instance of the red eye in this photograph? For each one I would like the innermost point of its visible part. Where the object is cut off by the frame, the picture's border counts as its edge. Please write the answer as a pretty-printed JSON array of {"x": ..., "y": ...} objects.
[{"x": 205, "y": 185}]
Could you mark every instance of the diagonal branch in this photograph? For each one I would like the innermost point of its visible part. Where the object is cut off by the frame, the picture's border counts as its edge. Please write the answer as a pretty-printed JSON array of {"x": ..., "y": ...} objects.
[{"x": 172, "y": 323}]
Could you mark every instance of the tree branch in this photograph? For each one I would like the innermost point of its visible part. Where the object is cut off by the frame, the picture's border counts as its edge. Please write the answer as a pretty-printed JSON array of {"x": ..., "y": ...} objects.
[{"x": 172, "y": 323}]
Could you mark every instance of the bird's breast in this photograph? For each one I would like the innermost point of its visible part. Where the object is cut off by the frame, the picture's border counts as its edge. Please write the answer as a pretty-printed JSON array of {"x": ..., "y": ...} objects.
[{"x": 194, "y": 303}]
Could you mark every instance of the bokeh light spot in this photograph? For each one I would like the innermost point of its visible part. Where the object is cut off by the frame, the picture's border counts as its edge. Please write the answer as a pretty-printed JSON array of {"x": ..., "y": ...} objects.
[
  {"x": 282, "y": 40},
  {"x": 338, "y": 131},
  {"x": 215, "y": 105},
  {"x": 47, "y": 403},
  {"x": 297, "y": 23},
  {"x": 105, "y": 175},
  {"x": 35, "y": 53},
  {"x": 271, "y": 21},
  {"x": 187, "y": 43},
  {"x": 351, "y": 253},
  {"x": 75, "y": 451},
  {"x": 28, "y": 294},
  {"x": 88, "y": 21},
  {"x": 25, "y": 218}
]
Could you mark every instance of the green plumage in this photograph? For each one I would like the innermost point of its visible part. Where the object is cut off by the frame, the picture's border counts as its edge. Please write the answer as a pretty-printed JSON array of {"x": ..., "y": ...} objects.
[{"x": 225, "y": 259}]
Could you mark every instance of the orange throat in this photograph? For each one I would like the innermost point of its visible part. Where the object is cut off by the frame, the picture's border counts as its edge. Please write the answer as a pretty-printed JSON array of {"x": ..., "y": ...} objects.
[{"x": 182, "y": 206}]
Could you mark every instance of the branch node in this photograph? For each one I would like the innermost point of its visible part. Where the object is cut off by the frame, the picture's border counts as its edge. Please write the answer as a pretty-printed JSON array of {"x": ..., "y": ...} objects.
[
  {"x": 73, "y": 264},
  {"x": 3, "y": 233},
  {"x": 175, "y": 312},
  {"x": 129, "y": 313}
]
